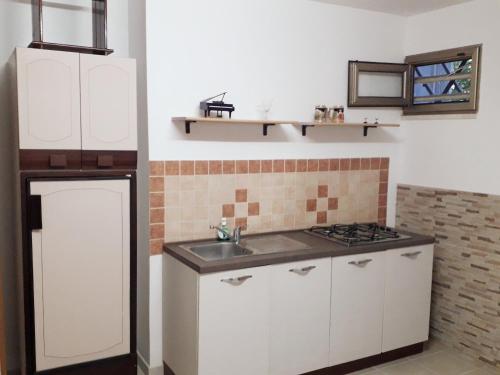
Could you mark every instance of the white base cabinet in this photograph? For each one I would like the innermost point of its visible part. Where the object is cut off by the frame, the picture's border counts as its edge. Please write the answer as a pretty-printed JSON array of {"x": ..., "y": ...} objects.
[
  {"x": 357, "y": 307},
  {"x": 293, "y": 318},
  {"x": 408, "y": 283},
  {"x": 300, "y": 317}
]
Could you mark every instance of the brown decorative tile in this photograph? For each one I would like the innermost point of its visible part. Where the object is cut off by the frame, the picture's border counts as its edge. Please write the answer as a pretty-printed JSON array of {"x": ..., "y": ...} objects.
[
  {"x": 312, "y": 165},
  {"x": 156, "y": 200},
  {"x": 384, "y": 175},
  {"x": 228, "y": 166},
  {"x": 324, "y": 165},
  {"x": 241, "y": 195},
  {"x": 187, "y": 167},
  {"x": 242, "y": 166},
  {"x": 323, "y": 191},
  {"x": 172, "y": 168},
  {"x": 278, "y": 166},
  {"x": 382, "y": 200},
  {"x": 355, "y": 164},
  {"x": 311, "y": 205},
  {"x": 156, "y": 168},
  {"x": 201, "y": 167},
  {"x": 384, "y": 163},
  {"x": 301, "y": 165},
  {"x": 254, "y": 166},
  {"x": 382, "y": 212},
  {"x": 290, "y": 165},
  {"x": 375, "y": 163},
  {"x": 321, "y": 217},
  {"x": 345, "y": 164},
  {"x": 266, "y": 166},
  {"x": 382, "y": 188},
  {"x": 157, "y": 215},
  {"x": 254, "y": 209},
  {"x": 365, "y": 164},
  {"x": 215, "y": 167},
  {"x": 157, "y": 231},
  {"x": 156, "y": 247},
  {"x": 157, "y": 184},
  {"x": 228, "y": 210},
  {"x": 241, "y": 222},
  {"x": 333, "y": 204},
  {"x": 334, "y": 164}
]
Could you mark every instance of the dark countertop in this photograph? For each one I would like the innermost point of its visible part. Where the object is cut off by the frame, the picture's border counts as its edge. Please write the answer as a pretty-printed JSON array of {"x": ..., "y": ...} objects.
[{"x": 319, "y": 248}]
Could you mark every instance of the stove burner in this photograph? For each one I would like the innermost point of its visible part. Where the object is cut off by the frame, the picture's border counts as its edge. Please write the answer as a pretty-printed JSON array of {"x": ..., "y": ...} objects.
[{"x": 356, "y": 234}]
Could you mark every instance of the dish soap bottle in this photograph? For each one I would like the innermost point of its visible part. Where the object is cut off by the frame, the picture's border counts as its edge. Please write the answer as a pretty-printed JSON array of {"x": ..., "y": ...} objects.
[{"x": 223, "y": 235}]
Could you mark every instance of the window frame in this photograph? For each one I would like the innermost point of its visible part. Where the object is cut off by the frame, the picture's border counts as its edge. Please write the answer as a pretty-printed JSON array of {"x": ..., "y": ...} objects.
[{"x": 469, "y": 52}]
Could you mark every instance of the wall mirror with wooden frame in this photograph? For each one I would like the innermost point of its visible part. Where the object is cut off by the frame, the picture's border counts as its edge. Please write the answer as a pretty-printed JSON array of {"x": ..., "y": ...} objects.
[{"x": 441, "y": 82}]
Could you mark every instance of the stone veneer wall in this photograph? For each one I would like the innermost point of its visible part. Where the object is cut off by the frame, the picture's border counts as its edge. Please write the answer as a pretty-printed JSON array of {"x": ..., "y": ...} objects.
[
  {"x": 466, "y": 284},
  {"x": 186, "y": 197}
]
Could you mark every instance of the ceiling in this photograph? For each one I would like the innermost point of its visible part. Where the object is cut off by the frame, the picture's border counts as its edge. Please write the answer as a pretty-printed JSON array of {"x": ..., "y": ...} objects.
[{"x": 401, "y": 7}]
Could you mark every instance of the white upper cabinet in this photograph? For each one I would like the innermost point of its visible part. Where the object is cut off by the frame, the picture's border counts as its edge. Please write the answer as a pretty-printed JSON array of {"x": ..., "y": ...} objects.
[
  {"x": 300, "y": 317},
  {"x": 234, "y": 322},
  {"x": 81, "y": 271},
  {"x": 407, "y": 296},
  {"x": 108, "y": 103},
  {"x": 48, "y": 89},
  {"x": 357, "y": 307}
]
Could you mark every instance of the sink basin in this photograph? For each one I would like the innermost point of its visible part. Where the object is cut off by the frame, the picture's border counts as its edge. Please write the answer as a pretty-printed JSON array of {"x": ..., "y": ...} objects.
[{"x": 219, "y": 251}]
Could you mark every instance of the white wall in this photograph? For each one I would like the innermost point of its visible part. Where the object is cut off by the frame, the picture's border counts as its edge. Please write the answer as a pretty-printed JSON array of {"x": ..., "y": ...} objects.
[{"x": 456, "y": 152}]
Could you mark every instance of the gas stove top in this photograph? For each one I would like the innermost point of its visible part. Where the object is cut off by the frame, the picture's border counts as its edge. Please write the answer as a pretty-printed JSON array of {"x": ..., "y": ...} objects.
[{"x": 357, "y": 234}]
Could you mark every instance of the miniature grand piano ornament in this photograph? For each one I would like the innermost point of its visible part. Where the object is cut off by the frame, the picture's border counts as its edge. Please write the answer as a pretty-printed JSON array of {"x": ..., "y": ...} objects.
[{"x": 219, "y": 106}]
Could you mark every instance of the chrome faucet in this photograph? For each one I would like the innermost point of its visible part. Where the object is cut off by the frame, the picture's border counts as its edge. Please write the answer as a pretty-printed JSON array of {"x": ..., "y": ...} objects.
[{"x": 235, "y": 237}]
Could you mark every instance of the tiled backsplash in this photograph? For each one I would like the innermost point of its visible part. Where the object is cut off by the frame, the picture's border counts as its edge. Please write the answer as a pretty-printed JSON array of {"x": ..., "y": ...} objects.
[
  {"x": 466, "y": 283},
  {"x": 186, "y": 197}
]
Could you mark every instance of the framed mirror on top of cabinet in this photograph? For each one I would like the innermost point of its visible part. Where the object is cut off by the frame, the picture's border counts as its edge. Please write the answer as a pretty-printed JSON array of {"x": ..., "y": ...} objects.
[{"x": 374, "y": 84}]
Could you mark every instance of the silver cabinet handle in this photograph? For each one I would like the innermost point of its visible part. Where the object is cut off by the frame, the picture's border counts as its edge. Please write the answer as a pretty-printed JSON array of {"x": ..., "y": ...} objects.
[
  {"x": 302, "y": 271},
  {"x": 361, "y": 263},
  {"x": 411, "y": 255},
  {"x": 237, "y": 280}
]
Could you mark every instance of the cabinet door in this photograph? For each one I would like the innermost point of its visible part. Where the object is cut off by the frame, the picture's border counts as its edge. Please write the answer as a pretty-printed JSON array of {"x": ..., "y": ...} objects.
[
  {"x": 357, "y": 307},
  {"x": 300, "y": 317},
  {"x": 109, "y": 103},
  {"x": 48, "y": 85},
  {"x": 407, "y": 296},
  {"x": 81, "y": 271},
  {"x": 234, "y": 323}
]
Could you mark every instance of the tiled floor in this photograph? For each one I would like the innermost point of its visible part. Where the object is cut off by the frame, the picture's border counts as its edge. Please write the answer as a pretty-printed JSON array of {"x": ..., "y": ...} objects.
[{"x": 437, "y": 359}]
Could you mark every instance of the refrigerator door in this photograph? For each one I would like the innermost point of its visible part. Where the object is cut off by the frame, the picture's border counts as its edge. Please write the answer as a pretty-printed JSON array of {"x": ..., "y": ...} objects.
[{"x": 81, "y": 270}]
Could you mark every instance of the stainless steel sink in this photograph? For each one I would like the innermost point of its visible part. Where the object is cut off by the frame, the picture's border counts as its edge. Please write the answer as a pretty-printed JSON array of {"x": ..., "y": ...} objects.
[{"x": 218, "y": 251}]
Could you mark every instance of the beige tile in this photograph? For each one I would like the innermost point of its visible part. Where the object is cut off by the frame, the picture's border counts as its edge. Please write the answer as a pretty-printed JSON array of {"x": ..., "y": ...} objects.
[
  {"x": 242, "y": 181},
  {"x": 370, "y": 371},
  {"x": 267, "y": 223},
  {"x": 188, "y": 213},
  {"x": 172, "y": 183},
  {"x": 241, "y": 210},
  {"x": 266, "y": 207},
  {"x": 447, "y": 362},
  {"x": 322, "y": 204},
  {"x": 187, "y": 182},
  {"x": 172, "y": 213},
  {"x": 201, "y": 197},
  {"x": 278, "y": 207},
  {"x": 278, "y": 179},
  {"x": 201, "y": 182},
  {"x": 253, "y": 194},
  {"x": 486, "y": 370},
  {"x": 187, "y": 198},
  {"x": 406, "y": 368},
  {"x": 172, "y": 198}
]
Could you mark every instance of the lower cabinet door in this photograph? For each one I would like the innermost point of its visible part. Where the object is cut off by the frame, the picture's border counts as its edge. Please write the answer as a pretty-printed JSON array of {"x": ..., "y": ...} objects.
[
  {"x": 357, "y": 307},
  {"x": 81, "y": 270},
  {"x": 300, "y": 317},
  {"x": 407, "y": 296},
  {"x": 234, "y": 323}
]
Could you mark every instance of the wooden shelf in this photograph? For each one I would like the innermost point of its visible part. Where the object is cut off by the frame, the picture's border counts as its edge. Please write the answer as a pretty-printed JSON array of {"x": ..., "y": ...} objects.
[
  {"x": 267, "y": 123},
  {"x": 364, "y": 126},
  {"x": 215, "y": 120}
]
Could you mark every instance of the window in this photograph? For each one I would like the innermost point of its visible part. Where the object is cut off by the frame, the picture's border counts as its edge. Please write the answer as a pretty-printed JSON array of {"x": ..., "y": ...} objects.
[
  {"x": 444, "y": 82},
  {"x": 430, "y": 83}
]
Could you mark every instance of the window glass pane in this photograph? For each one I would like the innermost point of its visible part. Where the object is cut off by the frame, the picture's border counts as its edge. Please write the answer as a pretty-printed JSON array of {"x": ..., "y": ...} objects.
[
  {"x": 68, "y": 22},
  {"x": 446, "y": 82},
  {"x": 379, "y": 84}
]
